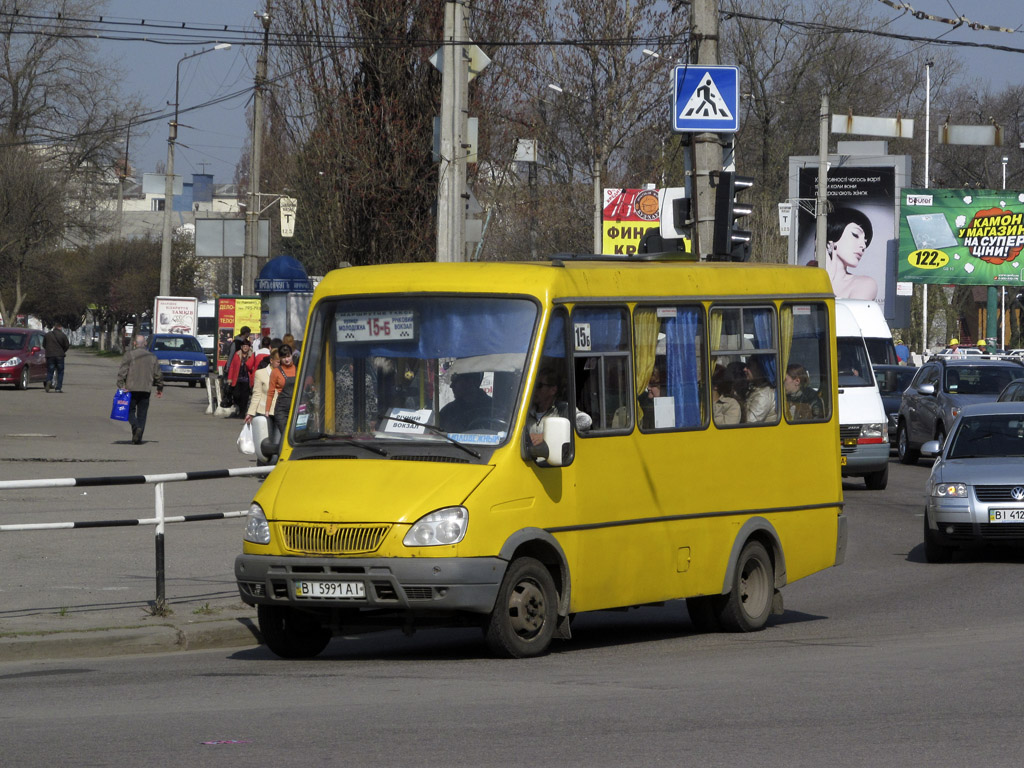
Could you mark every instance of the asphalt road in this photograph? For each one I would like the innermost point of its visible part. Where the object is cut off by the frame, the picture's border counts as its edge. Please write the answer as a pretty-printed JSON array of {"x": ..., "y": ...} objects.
[{"x": 885, "y": 660}]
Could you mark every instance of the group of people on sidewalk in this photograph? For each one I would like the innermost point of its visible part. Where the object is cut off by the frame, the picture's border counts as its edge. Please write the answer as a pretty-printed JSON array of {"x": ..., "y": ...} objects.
[{"x": 262, "y": 383}]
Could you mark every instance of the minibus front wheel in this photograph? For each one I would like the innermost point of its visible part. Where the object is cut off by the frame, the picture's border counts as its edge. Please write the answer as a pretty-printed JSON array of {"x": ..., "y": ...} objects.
[
  {"x": 291, "y": 633},
  {"x": 526, "y": 611}
]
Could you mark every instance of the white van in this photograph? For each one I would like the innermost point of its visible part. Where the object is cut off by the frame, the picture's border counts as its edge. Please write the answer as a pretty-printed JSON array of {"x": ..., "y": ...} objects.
[
  {"x": 863, "y": 429},
  {"x": 869, "y": 317}
]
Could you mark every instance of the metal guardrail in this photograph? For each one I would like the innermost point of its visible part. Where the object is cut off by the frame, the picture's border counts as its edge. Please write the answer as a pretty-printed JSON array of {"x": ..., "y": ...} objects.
[{"x": 159, "y": 519}]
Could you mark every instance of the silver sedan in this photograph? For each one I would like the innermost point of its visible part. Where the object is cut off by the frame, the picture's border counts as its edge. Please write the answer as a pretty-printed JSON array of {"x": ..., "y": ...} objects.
[{"x": 976, "y": 488}]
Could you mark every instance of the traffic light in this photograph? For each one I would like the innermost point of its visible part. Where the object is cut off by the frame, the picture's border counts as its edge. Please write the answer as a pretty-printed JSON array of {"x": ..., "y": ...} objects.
[{"x": 730, "y": 242}]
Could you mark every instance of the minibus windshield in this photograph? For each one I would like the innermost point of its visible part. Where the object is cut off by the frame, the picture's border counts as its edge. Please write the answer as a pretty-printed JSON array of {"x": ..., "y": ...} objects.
[{"x": 425, "y": 368}]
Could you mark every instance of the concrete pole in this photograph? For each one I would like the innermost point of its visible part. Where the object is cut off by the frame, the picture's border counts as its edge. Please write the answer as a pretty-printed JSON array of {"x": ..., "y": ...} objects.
[
  {"x": 821, "y": 206},
  {"x": 707, "y": 149},
  {"x": 252, "y": 212},
  {"x": 451, "y": 203},
  {"x": 165, "y": 250}
]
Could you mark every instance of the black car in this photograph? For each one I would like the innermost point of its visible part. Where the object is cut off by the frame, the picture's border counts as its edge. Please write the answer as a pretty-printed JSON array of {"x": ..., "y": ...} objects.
[
  {"x": 941, "y": 387},
  {"x": 892, "y": 380}
]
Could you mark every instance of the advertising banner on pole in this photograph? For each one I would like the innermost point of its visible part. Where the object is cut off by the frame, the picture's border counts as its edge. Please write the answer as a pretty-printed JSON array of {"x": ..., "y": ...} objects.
[
  {"x": 961, "y": 237},
  {"x": 628, "y": 215}
]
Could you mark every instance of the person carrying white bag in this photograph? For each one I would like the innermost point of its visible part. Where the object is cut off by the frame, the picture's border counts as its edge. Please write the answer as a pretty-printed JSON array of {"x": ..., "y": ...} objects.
[{"x": 258, "y": 402}]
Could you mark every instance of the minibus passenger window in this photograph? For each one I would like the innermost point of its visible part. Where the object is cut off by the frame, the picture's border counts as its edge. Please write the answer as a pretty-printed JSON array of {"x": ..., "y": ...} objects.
[
  {"x": 601, "y": 361},
  {"x": 744, "y": 366},
  {"x": 804, "y": 336},
  {"x": 669, "y": 347}
]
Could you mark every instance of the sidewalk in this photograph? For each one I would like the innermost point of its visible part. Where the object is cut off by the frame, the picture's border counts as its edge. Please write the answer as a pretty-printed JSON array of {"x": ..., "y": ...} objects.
[{"x": 90, "y": 591}]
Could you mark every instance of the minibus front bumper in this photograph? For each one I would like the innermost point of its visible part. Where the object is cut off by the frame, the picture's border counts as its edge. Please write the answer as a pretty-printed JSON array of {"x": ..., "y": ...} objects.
[{"x": 416, "y": 584}]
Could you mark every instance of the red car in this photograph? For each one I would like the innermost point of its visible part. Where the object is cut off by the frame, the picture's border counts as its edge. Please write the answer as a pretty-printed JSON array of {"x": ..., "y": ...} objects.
[{"x": 22, "y": 360}]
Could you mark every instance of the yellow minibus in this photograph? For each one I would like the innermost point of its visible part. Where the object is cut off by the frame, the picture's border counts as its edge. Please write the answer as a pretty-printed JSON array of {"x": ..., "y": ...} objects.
[{"x": 506, "y": 445}]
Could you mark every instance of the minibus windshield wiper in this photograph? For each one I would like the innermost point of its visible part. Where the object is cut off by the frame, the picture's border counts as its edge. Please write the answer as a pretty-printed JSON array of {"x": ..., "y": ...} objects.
[
  {"x": 318, "y": 436},
  {"x": 436, "y": 431}
]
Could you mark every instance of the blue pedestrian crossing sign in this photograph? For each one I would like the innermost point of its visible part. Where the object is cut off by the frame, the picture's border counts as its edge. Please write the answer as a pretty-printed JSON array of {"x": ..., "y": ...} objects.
[{"x": 706, "y": 98}]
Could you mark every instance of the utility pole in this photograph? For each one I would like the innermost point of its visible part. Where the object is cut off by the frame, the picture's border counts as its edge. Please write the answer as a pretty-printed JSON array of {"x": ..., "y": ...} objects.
[
  {"x": 451, "y": 197},
  {"x": 252, "y": 212},
  {"x": 821, "y": 203},
  {"x": 707, "y": 148}
]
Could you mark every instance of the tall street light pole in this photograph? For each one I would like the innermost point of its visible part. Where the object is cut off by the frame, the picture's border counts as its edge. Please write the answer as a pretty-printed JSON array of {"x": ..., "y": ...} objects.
[
  {"x": 252, "y": 211},
  {"x": 172, "y": 136}
]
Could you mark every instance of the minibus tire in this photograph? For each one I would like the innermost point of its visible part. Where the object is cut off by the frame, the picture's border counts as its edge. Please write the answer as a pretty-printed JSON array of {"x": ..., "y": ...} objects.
[
  {"x": 749, "y": 603},
  {"x": 525, "y": 613},
  {"x": 290, "y": 633}
]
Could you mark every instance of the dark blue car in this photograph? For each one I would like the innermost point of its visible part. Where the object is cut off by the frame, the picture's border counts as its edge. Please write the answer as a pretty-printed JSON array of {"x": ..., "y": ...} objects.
[{"x": 181, "y": 357}]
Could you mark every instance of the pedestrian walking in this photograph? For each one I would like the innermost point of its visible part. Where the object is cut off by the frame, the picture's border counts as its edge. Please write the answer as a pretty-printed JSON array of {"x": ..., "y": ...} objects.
[
  {"x": 55, "y": 344},
  {"x": 139, "y": 373}
]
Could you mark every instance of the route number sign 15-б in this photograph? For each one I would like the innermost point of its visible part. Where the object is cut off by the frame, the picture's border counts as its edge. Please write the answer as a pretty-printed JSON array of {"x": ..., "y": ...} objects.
[{"x": 398, "y": 325}]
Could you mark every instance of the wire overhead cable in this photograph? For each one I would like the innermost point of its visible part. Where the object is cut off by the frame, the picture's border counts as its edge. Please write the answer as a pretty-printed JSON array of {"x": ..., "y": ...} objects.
[{"x": 957, "y": 22}]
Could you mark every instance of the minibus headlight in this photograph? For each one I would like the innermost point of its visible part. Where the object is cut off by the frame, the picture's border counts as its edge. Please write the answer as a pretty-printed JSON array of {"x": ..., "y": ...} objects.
[
  {"x": 256, "y": 529},
  {"x": 950, "y": 490},
  {"x": 438, "y": 528}
]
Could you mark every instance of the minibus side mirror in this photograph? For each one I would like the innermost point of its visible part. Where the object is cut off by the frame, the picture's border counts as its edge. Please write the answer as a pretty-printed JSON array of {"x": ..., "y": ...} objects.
[{"x": 555, "y": 449}]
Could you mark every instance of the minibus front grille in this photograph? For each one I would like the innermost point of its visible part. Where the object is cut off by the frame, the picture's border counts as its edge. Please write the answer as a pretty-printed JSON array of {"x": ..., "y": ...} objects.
[
  {"x": 334, "y": 539},
  {"x": 437, "y": 458}
]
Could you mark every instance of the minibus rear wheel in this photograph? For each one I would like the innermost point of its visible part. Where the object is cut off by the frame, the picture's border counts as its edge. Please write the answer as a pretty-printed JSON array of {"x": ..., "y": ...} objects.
[
  {"x": 525, "y": 613},
  {"x": 749, "y": 603},
  {"x": 290, "y": 633}
]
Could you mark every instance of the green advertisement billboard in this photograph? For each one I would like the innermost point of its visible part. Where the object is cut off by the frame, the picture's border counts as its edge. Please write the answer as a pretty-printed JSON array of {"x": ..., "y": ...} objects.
[{"x": 961, "y": 237}]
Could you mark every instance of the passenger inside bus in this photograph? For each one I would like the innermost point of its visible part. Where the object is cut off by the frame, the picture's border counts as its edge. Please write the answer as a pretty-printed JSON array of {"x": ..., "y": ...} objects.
[
  {"x": 760, "y": 401},
  {"x": 726, "y": 408},
  {"x": 549, "y": 400},
  {"x": 471, "y": 407},
  {"x": 803, "y": 403}
]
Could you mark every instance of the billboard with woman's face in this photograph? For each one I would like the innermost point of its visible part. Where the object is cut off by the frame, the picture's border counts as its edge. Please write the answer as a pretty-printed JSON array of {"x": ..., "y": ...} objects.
[{"x": 861, "y": 224}]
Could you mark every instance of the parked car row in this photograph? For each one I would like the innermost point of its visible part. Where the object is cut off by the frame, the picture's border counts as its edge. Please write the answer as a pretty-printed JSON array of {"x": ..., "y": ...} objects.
[{"x": 23, "y": 361}]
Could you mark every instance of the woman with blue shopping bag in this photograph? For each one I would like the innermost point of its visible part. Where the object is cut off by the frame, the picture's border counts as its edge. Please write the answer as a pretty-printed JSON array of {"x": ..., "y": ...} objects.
[{"x": 139, "y": 373}]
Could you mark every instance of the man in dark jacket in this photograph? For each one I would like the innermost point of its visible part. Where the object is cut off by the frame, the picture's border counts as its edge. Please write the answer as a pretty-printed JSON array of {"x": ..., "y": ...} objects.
[
  {"x": 55, "y": 344},
  {"x": 139, "y": 372}
]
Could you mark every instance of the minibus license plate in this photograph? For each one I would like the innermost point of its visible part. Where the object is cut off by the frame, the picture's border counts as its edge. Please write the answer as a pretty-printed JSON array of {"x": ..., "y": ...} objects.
[
  {"x": 1006, "y": 515},
  {"x": 340, "y": 589}
]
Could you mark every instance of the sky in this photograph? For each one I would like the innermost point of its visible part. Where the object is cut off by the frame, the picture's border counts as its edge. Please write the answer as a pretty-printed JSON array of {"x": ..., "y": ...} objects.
[{"x": 211, "y": 139}]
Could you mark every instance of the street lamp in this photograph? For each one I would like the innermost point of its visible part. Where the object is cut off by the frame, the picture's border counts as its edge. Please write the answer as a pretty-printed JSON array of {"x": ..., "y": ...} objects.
[
  {"x": 172, "y": 135},
  {"x": 1005, "y": 161}
]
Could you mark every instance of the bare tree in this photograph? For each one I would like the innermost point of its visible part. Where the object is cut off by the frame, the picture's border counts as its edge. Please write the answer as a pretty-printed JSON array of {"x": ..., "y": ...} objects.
[
  {"x": 605, "y": 123},
  {"x": 60, "y": 114}
]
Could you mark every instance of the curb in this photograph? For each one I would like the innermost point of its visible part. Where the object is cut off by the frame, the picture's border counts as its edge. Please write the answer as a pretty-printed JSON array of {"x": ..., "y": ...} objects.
[{"x": 205, "y": 635}]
